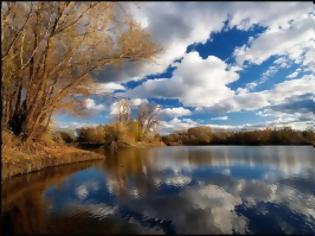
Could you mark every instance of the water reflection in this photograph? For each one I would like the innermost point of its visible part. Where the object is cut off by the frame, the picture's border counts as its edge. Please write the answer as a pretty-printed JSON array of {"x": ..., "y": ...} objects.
[{"x": 210, "y": 190}]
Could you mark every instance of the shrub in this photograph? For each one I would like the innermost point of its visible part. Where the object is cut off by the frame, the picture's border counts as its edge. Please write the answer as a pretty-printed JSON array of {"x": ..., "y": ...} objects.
[
  {"x": 91, "y": 135},
  {"x": 67, "y": 136}
]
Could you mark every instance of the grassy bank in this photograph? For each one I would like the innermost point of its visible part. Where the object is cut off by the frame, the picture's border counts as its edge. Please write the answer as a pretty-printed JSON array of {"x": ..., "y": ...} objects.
[{"x": 20, "y": 158}]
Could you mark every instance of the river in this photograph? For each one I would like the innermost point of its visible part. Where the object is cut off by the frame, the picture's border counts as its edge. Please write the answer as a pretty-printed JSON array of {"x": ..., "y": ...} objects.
[{"x": 184, "y": 189}]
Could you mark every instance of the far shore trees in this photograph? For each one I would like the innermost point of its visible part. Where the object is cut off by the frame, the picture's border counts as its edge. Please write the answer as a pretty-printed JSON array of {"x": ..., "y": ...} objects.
[
  {"x": 202, "y": 135},
  {"x": 48, "y": 51}
]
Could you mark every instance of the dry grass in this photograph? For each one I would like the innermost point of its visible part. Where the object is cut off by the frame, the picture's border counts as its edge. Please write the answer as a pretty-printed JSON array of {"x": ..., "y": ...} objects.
[{"x": 21, "y": 158}]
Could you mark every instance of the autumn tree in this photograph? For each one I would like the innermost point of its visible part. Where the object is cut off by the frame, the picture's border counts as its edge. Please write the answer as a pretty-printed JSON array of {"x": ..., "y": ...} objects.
[
  {"x": 123, "y": 111},
  {"x": 147, "y": 119},
  {"x": 199, "y": 135},
  {"x": 91, "y": 135},
  {"x": 50, "y": 49}
]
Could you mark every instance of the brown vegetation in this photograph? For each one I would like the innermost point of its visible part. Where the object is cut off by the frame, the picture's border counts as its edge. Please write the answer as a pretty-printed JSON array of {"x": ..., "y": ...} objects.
[
  {"x": 125, "y": 131},
  {"x": 19, "y": 157},
  {"x": 91, "y": 135},
  {"x": 64, "y": 136},
  {"x": 48, "y": 52},
  {"x": 116, "y": 135},
  {"x": 49, "y": 49},
  {"x": 147, "y": 120},
  {"x": 204, "y": 136}
]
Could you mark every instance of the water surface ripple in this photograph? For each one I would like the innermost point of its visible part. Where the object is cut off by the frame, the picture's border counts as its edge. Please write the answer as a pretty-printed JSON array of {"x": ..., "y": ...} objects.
[{"x": 208, "y": 189}]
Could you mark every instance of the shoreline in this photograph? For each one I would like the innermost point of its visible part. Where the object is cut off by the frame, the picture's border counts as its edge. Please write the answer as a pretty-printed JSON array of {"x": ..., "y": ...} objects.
[
  {"x": 268, "y": 144},
  {"x": 15, "y": 163},
  {"x": 27, "y": 163}
]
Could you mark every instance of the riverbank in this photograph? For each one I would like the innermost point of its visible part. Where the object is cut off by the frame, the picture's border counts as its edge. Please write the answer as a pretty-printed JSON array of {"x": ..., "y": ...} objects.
[
  {"x": 15, "y": 162},
  {"x": 20, "y": 158},
  {"x": 87, "y": 146}
]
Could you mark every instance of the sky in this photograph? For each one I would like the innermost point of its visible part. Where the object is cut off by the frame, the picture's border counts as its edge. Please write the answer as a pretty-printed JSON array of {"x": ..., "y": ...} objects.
[{"x": 230, "y": 65}]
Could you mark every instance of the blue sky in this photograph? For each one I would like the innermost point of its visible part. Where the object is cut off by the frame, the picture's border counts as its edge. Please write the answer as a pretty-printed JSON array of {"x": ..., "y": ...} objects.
[{"x": 225, "y": 65}]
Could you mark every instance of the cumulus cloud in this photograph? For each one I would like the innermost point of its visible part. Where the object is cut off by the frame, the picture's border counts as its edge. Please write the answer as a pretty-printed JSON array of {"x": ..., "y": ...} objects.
[
  {"x": 174, "y": 112},
  {"x": 90, "y": 105},
  {"x": 138, "y": 101},
  {"x": 114, "y": 108},
  {"x": 195, "y": 82},
  {"x": 174, "y": 26},
  {"x": 290, "y": 88},
  {"x": 204, "y": 84},
  {"x": 281, "y": 93},
  {"x": 175, "y": 125},
  {"x": 291, "y": 39}
]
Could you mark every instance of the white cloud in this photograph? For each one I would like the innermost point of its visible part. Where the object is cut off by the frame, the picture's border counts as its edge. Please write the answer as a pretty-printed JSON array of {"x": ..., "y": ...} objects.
[
  {"x": 258, "y": 100},
  {"x": 296, "y": 120},
  {"x": 174, "y": 112},
  {"x": 114, "y": 108},
  {"x": 177, "y": 124},
  {"x": 290, "y": 88},
  {"x": 90, "y": 105},
  {"x": 178, "y": 180},
  {"x": 292, "y": 75},
  {"x": 106, "y": 88},
  {"x": 174, "y": 26},
  {"x": 201, "y": 82},
  {"x": 291, "y": 39},
  {"x": 82, "y": 192},
  {"x": 283, "y": 62},
  {"x": 269, "y": 14},
  {"x": 220, "y": 118},
  {"x": 195, "y": 82},
  {"x": 245, "y": 100},
  {"x": 138, "y": 101},
  {"x": 99, "y": 211},
  {"x": 72, "y": 124},
  {"x": 309, "y": 62}
]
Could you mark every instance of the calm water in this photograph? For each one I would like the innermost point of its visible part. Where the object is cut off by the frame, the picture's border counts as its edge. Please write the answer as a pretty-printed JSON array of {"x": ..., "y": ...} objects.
[{"x": 214, "y": 190}]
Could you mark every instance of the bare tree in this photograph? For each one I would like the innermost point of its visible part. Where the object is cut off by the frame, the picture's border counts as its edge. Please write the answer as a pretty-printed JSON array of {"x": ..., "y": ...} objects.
[
  {"x": 48, "y": 51},
  {"x": 147, "y": 119},
  {"x": 123, "y": 110}
]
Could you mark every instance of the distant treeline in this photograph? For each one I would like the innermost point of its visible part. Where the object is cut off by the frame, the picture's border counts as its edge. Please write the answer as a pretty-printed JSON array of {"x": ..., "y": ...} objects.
[
  {"x": 205, "y": 136},
  {"x": 129, "y": 134}
]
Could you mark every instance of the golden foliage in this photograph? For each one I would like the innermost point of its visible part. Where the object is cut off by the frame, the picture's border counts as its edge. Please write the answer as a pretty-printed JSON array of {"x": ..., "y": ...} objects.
[
  {"x": 48, "y": 51},
  {"x": 91, "y": 135}
]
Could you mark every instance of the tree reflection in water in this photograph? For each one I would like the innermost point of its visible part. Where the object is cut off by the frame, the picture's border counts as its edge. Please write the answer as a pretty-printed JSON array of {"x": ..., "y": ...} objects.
[{"x": 170, "y": 190}]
